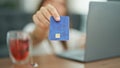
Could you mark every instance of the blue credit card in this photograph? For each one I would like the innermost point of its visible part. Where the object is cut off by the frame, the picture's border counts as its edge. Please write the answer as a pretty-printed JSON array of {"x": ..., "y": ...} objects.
[{"x": 59, "y": 30}]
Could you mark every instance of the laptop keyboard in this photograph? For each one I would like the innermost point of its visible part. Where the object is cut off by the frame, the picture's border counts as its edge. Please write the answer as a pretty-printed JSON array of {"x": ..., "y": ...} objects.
[{"x": 73, "y": 54}]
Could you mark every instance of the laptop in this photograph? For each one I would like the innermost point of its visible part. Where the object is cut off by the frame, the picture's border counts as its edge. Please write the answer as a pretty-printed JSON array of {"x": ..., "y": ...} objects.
[{"x": 103, "y": 34}]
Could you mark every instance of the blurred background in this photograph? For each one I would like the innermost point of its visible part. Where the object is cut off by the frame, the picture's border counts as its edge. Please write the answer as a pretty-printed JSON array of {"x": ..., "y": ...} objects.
[{"x": 15, "y": 14}]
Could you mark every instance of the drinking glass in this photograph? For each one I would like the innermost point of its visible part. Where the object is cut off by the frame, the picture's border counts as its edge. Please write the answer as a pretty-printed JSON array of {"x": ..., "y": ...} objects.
[{"x": 19, "y": 44}]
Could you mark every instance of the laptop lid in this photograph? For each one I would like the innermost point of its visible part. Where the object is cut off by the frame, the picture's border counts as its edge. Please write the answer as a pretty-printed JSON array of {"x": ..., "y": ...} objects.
[{"x": 103, "y": 31}]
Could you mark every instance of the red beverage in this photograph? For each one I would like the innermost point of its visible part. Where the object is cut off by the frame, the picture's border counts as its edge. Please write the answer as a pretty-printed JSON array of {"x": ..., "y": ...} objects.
[{"x": 19, "y": 48}]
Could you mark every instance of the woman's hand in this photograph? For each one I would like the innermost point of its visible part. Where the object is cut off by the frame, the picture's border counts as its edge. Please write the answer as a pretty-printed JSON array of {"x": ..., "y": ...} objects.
[
  {"x": 42, "y": 20},
  {"x": 42, "y": 17}
]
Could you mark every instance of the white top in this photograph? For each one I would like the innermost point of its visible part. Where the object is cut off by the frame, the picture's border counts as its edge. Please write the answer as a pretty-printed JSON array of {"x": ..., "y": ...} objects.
[{"x": 45, "y": 48}]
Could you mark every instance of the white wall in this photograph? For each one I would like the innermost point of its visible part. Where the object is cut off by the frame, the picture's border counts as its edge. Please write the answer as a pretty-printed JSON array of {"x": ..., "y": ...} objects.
[
  {"x": 29, "y": 6},
  {"x": 80, "y": 6},
  {"x": 75, "y": 6}
]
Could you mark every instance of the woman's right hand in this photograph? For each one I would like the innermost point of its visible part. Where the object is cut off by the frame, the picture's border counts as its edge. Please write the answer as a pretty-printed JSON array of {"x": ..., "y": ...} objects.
[{"x": 42, "y": 17}]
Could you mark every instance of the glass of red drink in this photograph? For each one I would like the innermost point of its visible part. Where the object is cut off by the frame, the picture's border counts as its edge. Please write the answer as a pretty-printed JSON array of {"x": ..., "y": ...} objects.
[{"x": 19, "y": 46}]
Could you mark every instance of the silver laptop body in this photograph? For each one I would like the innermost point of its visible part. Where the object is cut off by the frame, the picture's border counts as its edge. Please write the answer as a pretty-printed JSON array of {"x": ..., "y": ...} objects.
[{"x": 103, "y": 33}]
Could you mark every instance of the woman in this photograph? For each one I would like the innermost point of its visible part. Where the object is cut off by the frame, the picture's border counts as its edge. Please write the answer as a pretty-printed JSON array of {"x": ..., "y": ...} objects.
[{"x": 41, "y": 18}]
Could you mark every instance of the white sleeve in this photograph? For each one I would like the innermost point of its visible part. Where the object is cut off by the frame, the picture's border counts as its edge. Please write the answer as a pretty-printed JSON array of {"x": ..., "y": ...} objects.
[
  {"x": 74, "y": 39},
  {"x": 40, "y": 48},
  {"x": 29, "y": 27}
]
